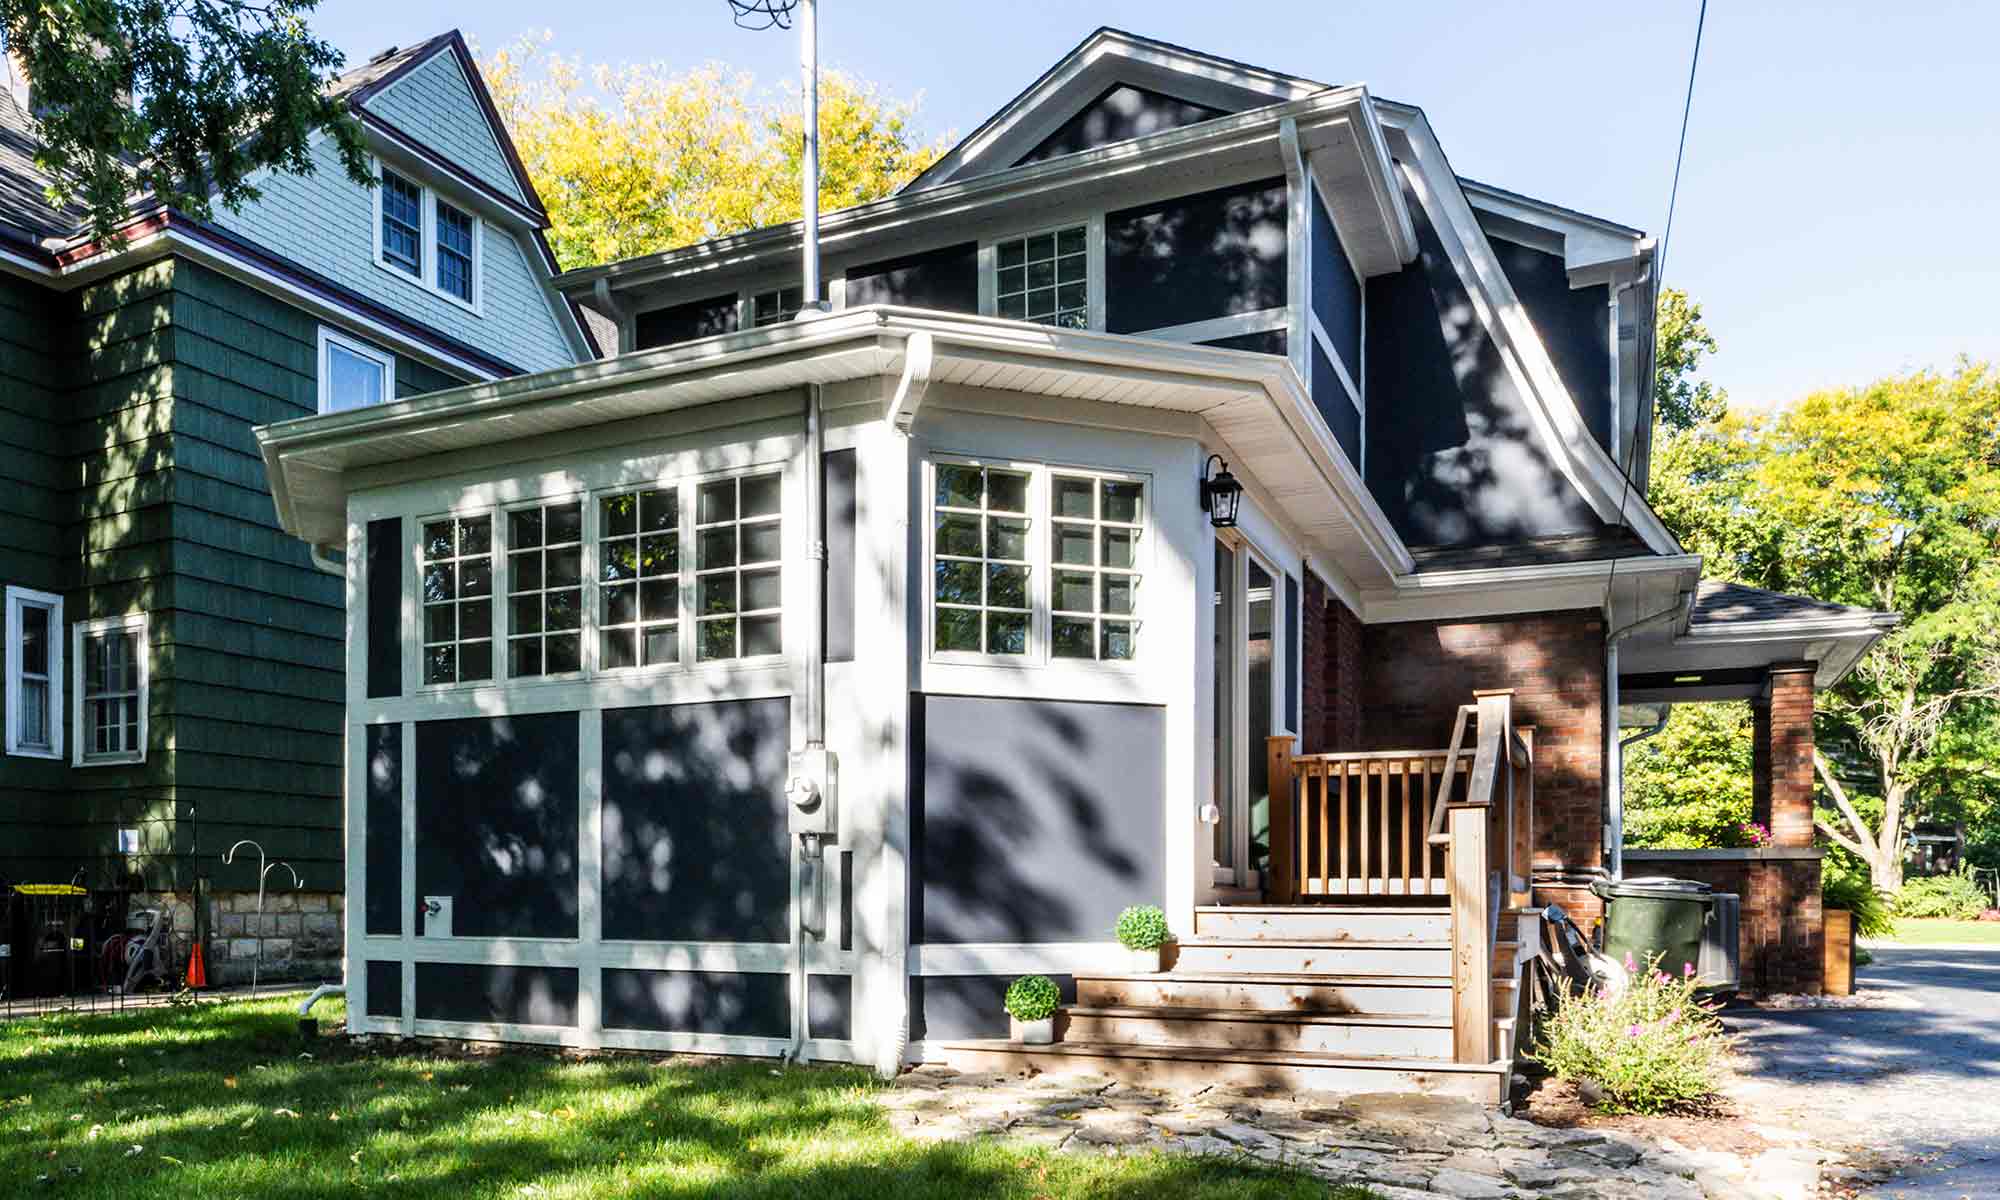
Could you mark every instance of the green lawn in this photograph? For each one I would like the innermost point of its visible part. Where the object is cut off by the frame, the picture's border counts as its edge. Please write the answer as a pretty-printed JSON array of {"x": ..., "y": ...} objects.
[
  {"x": 1980, "y": 933},
  {"x": 219, "y": 1101}
]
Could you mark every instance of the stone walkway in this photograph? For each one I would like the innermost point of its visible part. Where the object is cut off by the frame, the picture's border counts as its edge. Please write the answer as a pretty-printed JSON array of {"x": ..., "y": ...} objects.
[{"x": 1401, "y": 1147}]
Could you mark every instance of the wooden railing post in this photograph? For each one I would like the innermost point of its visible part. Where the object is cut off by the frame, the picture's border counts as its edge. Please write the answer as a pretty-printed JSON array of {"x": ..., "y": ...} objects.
[
  {"x": 1523, "y": 862},
  {"x": 1281, "y": 871},
  {"x": 1471, "y": 944}
]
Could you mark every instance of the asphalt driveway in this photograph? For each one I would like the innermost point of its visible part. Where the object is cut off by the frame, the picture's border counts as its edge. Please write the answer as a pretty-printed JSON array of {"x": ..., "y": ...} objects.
[{"x": 1918, "y": 1080}]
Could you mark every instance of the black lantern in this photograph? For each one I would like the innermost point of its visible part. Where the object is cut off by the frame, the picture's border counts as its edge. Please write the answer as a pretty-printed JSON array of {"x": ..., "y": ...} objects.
[{"x": 1220, "y": 494}]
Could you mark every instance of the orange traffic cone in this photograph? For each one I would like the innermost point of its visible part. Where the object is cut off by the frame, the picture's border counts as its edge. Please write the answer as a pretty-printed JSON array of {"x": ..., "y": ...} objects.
[{"x": 197, "y": 976}]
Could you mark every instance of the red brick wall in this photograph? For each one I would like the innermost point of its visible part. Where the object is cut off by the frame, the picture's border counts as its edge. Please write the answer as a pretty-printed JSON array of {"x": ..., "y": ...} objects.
[
  {"x": 1417, "y": 673},
  {"x": 1785, "y": 803},
  {"x": 1331, "y": 679},
  {"x": 1782, "y": 936}
]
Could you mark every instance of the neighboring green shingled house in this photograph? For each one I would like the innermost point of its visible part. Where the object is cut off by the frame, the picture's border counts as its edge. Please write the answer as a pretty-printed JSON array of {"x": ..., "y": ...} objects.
[{"x": 172, "y": 660}]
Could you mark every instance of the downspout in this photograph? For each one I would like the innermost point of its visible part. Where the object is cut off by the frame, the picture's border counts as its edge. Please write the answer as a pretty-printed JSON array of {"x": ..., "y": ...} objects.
[
  {"x": 322, "y": 557},
  {"x": 1614, "y": 774},
  {"x": 809, "y": 786}
]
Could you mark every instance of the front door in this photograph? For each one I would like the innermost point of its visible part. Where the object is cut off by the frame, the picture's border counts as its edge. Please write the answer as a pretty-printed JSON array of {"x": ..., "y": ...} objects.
[{"x": 1245, "y": 650}]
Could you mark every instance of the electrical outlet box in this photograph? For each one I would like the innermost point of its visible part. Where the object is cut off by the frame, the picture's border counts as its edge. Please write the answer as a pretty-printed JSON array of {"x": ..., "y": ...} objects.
[
  {"x": 812, "y": 785},
  {"x": 128, "y": 841},
  {"x": 437, "y": 916}
]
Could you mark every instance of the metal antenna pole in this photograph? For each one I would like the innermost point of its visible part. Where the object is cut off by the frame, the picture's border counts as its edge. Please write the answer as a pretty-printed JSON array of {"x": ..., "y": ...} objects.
[{"x": 809, "y": 187}]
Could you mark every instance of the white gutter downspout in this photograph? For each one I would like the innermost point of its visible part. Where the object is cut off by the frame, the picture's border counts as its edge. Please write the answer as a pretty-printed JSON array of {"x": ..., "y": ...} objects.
[
  {"x": 1614, "y": 767},
  {"x": 809, "y": 785}
]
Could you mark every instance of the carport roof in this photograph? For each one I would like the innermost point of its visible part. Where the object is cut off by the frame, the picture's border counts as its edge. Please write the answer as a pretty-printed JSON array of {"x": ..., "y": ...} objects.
[{"x": 1735, "y": 633}]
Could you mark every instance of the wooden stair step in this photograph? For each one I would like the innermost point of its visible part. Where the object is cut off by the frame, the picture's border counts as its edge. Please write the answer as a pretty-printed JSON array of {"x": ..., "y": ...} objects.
[
  {"x": 1328, "y": 922},
  {"x": 1307, "y": 956},
  {"x": 1171, "y": 1066},
  {"x": 1284, "y": 992},
  {"x": 1360, "y": 1034}
]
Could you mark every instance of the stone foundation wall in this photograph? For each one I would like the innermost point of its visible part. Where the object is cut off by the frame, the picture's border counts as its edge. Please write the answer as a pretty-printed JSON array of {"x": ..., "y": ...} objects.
[
  {"x": 1783, "y": 929},
  {"x": 299, "y": 934}
]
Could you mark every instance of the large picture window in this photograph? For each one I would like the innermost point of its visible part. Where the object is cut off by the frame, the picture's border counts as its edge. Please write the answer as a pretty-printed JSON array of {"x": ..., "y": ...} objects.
[
  {"x": 457, "y": 586},
  {"x": 739, "y": 543},
  {"x": 109, "y": 663},
  {"x": 545, "y": 589},
  {"x": 1033, "y": 563},
  {"x": 34, "y": 673}
]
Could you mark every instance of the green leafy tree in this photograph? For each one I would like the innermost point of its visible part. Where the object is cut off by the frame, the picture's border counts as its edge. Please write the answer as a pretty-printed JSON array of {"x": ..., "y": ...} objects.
[
  {"x": 1885, "y": 496},
  {"x": 1688, "y": 786},
  {"x": 183, "y": 100},
  {"x": 1681, "y": 398},
  {"x": 633, "y": 160}
]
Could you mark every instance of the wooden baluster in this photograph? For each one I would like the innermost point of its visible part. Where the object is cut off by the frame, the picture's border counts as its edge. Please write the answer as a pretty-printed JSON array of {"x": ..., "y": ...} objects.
[
  {"x": 1387, "y": 868},
  {"x": 1367, "y": 872},
  {"x": 1304, "y": 864},
  {"x": 1405, "y": 848},
  {"x": 1342, "y": 768},
  {"x": 1423, "y": 845},
  {"x": 1278, "y": 784}
]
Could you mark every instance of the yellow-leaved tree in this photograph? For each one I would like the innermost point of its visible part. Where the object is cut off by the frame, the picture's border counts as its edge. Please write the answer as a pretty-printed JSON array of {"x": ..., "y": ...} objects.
[{"x": 635, "y": 159}]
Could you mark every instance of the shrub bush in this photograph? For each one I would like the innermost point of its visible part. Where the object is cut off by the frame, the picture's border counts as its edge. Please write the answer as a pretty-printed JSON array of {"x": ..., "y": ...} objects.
[
  {"x": 1032, "y": 998},
  {"x": 1651, "y": 1048},
  {"x": 1840, "y": 888},
  {"x": 1143, "y": 927},
  {"x": 1951, "y": 897}
]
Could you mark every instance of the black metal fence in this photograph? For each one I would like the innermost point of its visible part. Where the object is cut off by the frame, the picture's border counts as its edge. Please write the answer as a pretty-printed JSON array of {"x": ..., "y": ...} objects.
[{"x": 67, "y": 947}]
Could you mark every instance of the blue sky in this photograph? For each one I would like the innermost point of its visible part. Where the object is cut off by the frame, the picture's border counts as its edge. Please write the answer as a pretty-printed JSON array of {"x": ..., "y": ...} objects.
[{"x": 1836, "y": 212}]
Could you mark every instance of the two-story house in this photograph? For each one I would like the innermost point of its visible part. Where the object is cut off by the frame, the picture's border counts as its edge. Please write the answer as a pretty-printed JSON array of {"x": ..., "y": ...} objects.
[
  {"x": 1194, "y": 494},
  {"x": 173, "y": 659}
]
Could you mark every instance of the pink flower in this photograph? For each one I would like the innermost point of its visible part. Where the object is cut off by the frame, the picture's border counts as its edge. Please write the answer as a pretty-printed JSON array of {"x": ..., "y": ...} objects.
[
  {"x": 1632, "y": 1031},
  {"x": 1629, "y": 964},
  {"x": 1687, "y": 969}
]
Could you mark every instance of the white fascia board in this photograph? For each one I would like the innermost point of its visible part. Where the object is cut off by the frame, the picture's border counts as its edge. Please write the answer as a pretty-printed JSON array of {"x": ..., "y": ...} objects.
[
  {"x": 1557, "y": 419},
  {"x": 1496, "y": 591},
  {"x": 1097, "y": 170},
  {"x": 1106, "y": 57},
  {"x": 1587, "y": 241}
]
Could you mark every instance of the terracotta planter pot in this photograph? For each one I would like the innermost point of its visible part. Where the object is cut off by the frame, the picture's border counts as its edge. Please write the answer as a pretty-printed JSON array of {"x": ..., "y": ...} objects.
[{"x": 1034, "y": 1033}]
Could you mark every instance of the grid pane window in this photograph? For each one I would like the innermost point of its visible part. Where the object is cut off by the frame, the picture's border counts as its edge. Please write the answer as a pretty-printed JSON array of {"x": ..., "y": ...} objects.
[
  {"x": 1095, "y": 529},
  {"x": 36, "y": 728},
  {"x": 779, "y": 304},
  {"x": 111, "y": 694},
  {"x": 545, "y": 589},
  {"x": 980, "y": 572},
  {"x": 738, "y": 592},
  {"x": 1044, "y": 277},
  {"x": 639, "y": 579},
  {"x": 454, "y": 252},
  {"x": 458, "y": 599},
  {"x": 402, "y": 223}
]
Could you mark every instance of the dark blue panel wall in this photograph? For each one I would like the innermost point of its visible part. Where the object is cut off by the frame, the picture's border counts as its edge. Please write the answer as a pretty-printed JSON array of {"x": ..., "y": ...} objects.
[
  {"x": 1331, "y": 398},
  {"x": 385, "y": 988},
  {"x": 948, "y": 1007},
  {"x": 1123, "y": 111},
  {"x": 385, "y": 607},
  {"x": 496, "y": 823},
  {"x": 696, "y": 846},
  {"x": 830, "y": 1007},
  {"x": 1288, "y": 667},
  {"x": 1453, "y": 455},
  {"x": 1194, "y": 258},
  {"x": 1336, "y": 293},
  {"x": 382, "y": 825},
  {"x": 748, "y": 1005},
  {"x": 496, "y": 995},
  {"x": 1574, "y": 323},
  {"x": 1035, "y": 820},
  {"x": 684, "y": 322},
  {"x": 946, "y": 279},
  {"x": 839, "y": 476}
]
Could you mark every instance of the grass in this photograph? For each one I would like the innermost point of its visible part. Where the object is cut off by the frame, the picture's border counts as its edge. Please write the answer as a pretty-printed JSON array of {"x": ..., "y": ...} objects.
[
  {"x": 220, "y": 1101},
  {"x": 1939, "y": 933}
]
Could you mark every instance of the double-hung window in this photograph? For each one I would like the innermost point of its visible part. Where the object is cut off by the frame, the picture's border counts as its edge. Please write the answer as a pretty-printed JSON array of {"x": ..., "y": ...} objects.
[
  {"x": 1033, "y": 563},
  {"x": 426, "y": 239},
  {"x": 1044, "y": 277},
  {"x": 34, "y": 673},
  {"x": 109, "y": 668},
  {"x": 457, "y": 583}
]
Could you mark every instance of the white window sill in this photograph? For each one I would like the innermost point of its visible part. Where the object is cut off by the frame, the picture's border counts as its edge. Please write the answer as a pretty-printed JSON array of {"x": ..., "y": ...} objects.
[
  {"x": 30, "y": 752},
  {"x": 109, "y": 760}
]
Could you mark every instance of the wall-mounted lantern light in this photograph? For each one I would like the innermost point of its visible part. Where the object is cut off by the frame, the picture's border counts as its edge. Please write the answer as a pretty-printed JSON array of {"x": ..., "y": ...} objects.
[{"x": 1220, "y": 494}]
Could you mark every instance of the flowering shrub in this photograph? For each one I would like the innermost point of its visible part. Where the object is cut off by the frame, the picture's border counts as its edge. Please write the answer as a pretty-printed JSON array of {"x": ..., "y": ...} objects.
[
  {"x": 1143, "y": 927},
  {"x": 1651, "y": 1048},
  {"x": 1749, "y": 835},
  {"x": 1032, "y": 998}
]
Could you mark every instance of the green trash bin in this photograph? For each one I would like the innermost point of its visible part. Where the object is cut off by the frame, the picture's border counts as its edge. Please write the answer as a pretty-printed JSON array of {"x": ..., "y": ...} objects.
[{"x": 1656, "y": 921}]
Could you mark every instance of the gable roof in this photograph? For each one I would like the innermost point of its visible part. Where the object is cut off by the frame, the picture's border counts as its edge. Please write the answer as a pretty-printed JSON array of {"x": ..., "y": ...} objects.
[
  {"x": 1099, "y": 62},
  {"x": 24, "y": 199},
  {"x": 1718, "y": 604}
]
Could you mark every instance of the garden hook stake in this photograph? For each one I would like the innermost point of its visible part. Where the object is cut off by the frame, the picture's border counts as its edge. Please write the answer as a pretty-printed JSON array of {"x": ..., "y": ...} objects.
[{"x": 263, "y": 869}]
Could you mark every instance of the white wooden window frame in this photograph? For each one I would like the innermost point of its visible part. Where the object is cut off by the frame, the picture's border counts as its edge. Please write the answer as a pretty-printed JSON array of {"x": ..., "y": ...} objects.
[
  {"x": 692, "y": 570},
  {"x": 18, "y": 600},
  {"x": 80, "y": 633},
  {"x": 426, "y": 277},
  {"x": 496, "y": 599},
  {"x": 594, "y": 559},
  {"x": 504, "y": 593},
  {"x": 329, "y": 339},
  {"x": 1041, "y": 577},
  {"x": 1093, "y": 248}
]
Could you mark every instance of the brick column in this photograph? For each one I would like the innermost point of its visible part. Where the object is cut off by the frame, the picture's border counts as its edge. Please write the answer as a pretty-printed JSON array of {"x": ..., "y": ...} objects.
[
  {"x": 1782, "y": 755},
  {"x": 1315, "y": 663}
]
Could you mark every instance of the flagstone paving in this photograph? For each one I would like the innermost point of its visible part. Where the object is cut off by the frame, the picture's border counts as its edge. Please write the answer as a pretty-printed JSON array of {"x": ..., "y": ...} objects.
[{"x": 1402, "y": 1147}]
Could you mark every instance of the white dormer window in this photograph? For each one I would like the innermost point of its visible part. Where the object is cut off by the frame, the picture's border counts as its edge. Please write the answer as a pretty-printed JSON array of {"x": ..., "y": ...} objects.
[
  {"x": 428, "y": 240},
  {"x": 1048, "y": 276}
]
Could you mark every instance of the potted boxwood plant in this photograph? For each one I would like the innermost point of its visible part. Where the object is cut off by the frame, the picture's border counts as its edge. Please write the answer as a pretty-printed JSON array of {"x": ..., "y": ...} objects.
[
  {"x": 1142, "y": 930},
  {"x": 1031, "y": 1009}
]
